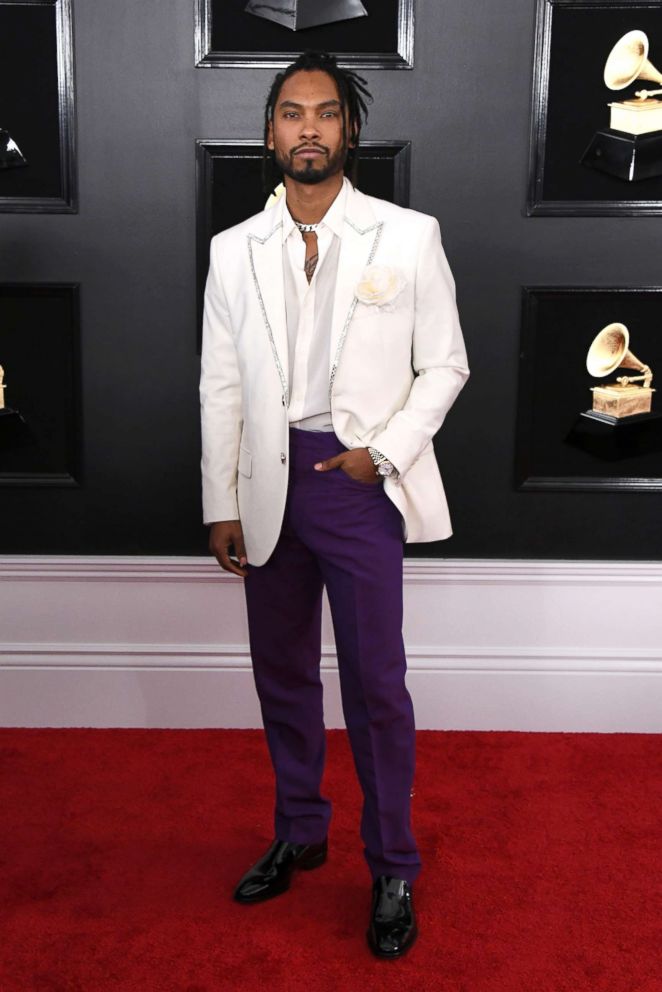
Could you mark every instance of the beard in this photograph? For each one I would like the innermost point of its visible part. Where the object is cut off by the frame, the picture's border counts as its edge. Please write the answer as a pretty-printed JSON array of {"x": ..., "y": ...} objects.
[{"x": 308, "y": 171}]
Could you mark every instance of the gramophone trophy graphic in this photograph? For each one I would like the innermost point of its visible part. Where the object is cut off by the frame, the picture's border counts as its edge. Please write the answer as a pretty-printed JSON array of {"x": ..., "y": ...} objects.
[
  {"x": 5, "y": 411},
  {"x": 621, "y": 423},
  {"x": 11, "y": 156},
  {"x": 6, "y": 414},
  {"x": 300, "y": 14},
  {"x": 14, "y": 431},
  {"x": 628, "y": 62},
  {"x": 624, "y": 397},
  {"x": 631, "y": 147}
]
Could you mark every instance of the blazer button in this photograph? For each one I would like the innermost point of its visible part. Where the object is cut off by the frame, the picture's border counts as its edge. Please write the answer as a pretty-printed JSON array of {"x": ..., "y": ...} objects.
[{"x": 282, "y": 457}]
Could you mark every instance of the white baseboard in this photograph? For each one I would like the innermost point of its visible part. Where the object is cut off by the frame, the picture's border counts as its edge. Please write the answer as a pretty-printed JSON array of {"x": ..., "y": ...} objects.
[{"x": 491, "y": 645}]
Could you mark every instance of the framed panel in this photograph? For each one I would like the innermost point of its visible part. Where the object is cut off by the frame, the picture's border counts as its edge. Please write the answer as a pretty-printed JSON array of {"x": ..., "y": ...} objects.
[
  {"x": 579, "y": 165},
  {"x": 37, "y": 120},
  {"x": 229, "y": 187},
  {"x": 558, "y": 446},
  {"x": 39, "y": 353},
  {"x": 226, "y": 34}
]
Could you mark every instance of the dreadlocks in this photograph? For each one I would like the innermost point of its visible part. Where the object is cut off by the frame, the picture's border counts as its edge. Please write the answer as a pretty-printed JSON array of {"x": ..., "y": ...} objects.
[{"x": 354, "y": 97}]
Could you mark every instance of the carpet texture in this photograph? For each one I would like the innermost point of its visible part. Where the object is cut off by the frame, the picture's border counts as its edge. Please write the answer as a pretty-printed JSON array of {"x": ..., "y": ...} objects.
[{"x": 119, "y": 850}]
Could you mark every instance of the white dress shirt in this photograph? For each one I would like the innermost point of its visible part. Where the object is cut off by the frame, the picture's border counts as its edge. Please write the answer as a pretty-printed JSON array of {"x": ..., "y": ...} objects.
[{"x": 309, "y": 310}]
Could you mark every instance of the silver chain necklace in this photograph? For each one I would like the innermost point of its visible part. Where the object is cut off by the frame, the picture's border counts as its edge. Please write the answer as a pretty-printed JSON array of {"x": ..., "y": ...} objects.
[{"x": 307, "y": 228}]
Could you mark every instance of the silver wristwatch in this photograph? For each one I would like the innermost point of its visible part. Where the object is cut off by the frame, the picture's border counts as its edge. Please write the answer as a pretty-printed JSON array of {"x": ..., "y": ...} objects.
[{"x": 382, "y": 464}]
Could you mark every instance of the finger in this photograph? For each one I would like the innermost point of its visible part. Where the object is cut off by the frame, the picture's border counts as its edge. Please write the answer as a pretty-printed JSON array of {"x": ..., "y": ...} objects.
[
  {"x": 226, "y": 563},
  {"x": 240, "y": 549},
  {"x": 330, "y": 463},
  {"x": 230, "y": 566}
]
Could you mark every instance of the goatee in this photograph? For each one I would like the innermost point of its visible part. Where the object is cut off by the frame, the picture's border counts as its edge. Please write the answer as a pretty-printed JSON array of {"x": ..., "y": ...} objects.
[{"x": 308, "y": 173}]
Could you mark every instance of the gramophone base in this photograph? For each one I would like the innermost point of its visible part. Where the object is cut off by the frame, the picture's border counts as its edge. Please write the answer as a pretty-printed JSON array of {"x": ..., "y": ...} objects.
[
  {"x": 631, "y": 157},
  {"x": 300, "y": 14},
  {"x": 622, "y": 401},
  {"x": 614, "y": 438},
  {"x": 14, "y": 432}
]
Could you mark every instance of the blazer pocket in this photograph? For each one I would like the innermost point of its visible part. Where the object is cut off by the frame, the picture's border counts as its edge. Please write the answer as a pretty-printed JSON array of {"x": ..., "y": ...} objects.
[{"x": 245, "y": 465}]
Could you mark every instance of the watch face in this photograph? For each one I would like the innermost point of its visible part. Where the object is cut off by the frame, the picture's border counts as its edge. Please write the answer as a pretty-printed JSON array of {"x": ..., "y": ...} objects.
[{"x": 385, "y": 469}]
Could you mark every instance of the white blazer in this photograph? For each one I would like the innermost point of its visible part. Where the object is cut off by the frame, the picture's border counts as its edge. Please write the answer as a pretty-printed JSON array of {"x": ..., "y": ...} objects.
[{"x": 394, "y": 372}]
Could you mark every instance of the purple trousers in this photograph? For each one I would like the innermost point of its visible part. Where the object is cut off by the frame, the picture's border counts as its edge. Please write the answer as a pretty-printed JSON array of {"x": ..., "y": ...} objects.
[{"x": 346, "y": 536}]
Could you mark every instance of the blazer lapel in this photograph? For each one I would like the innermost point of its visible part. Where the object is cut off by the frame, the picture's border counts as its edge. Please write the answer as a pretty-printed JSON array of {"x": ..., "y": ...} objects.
[
  {"x": 265, "y": 251},
  {"x": 361, "y": 234}
]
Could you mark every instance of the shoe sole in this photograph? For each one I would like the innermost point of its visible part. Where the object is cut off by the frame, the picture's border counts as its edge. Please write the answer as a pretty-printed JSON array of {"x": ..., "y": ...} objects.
[{"x": 315, "y": 862}]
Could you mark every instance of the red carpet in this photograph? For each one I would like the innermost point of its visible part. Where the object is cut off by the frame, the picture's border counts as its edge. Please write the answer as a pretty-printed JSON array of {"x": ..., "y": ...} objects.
[{"x": 119, "y": 850}]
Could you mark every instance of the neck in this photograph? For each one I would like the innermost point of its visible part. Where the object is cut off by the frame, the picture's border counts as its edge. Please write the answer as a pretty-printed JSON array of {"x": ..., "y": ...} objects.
[{"x": 309, "y": 202}]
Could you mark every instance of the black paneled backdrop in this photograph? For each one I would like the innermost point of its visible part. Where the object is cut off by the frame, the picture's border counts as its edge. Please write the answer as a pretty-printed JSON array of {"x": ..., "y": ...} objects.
[{"x": 465, "y": 106}]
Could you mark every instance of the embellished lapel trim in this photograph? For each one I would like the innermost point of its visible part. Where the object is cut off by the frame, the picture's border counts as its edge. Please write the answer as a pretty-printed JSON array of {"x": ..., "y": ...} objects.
[
  {"x": 266, "y": 263},
  {"x": 357, "y": 251}
]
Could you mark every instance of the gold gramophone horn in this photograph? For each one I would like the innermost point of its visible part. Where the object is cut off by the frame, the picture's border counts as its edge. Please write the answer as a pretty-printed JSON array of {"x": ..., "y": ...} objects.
[
  {"x": 628, "y": 60},
  {"x": 610, "y": 351}
]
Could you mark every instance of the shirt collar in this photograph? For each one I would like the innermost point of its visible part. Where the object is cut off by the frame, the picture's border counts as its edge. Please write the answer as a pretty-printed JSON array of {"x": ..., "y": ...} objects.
[{"x": 333, "y": 218}]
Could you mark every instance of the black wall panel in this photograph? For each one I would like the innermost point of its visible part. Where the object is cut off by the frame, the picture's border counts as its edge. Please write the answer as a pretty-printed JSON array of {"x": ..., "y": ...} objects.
[{"x": 141, "y": 105}]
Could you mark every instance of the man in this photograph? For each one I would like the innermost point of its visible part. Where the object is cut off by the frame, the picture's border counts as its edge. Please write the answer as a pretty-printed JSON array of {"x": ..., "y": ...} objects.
[{"x": 331, "y": 354}]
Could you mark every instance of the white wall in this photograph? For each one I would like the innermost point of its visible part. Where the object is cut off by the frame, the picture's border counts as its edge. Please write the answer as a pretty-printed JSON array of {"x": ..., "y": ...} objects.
[{"x": 162, "y": 642}]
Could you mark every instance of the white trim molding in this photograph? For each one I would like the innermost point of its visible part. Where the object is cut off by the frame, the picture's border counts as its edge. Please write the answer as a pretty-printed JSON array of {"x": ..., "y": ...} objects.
[{"x": 491, "y": 644}]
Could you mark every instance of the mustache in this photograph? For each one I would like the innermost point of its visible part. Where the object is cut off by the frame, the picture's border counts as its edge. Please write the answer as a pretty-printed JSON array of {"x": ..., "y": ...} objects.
[{"x": 310, "y": 148}]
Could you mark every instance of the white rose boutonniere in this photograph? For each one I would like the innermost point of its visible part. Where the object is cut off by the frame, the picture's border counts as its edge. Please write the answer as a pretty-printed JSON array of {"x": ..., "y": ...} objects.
[{"x": 379, "y": 286}]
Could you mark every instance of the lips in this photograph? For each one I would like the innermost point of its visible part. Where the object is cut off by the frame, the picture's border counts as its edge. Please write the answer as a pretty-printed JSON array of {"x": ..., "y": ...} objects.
[{"x": 309, "y": 152}]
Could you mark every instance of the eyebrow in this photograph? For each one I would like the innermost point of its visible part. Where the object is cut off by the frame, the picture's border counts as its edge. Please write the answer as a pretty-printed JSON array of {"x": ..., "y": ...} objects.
[{"x": 325, "y": 103}]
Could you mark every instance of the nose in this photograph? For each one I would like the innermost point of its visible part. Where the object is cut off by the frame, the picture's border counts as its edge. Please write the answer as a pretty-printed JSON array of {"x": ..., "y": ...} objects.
[{"x": 309, "y": 129}]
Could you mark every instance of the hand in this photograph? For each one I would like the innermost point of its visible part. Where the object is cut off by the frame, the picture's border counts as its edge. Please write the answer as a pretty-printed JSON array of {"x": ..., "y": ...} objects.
[
  {"x": 226, "y": 534},
  {"x": 357, "y": 464}
]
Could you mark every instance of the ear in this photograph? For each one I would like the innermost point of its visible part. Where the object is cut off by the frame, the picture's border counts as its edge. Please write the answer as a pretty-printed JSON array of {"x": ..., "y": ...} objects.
[{"x": 270, "y": 136}]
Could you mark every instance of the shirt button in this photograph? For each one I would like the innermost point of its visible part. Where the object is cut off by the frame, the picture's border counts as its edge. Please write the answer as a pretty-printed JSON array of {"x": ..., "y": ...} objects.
[{"x": 282, "y": 457}]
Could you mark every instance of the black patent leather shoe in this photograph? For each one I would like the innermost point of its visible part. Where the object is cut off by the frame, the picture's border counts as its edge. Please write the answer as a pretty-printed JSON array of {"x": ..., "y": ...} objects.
[
  {"x": 392, "y": 928},
  {"x": 271, "y": 875}
]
